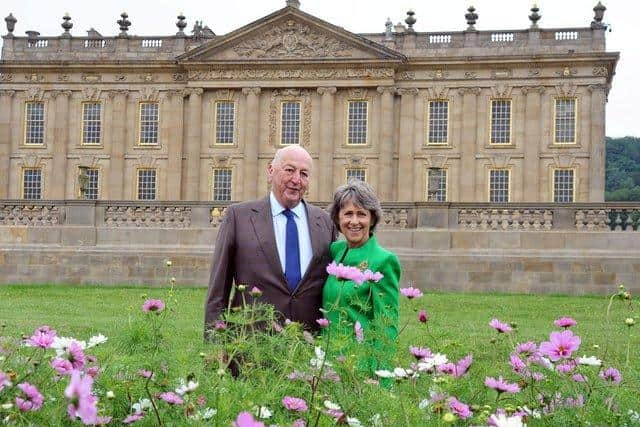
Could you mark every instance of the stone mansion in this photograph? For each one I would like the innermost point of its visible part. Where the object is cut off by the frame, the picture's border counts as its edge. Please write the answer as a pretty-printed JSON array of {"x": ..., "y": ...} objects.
[{"x": 460, "y": 116}]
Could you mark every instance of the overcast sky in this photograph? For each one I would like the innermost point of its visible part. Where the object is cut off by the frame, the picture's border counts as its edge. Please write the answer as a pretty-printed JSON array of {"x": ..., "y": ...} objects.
[{"x": 158, "y": 17}]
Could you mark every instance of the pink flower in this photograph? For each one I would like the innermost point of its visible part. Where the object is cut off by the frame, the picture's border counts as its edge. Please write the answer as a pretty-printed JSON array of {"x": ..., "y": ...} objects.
[
  {"x": 171, "y": 398},
  {"x": 133, "y": 418},
  {"x": 565, "y": 322},
  {"x": 245, "y": 419},
  {"x": 61, "y": 366},
  {"x": 517, "y": 364},
  {"x": 31, "y": 399},
  {"x": 93, "y": 371},
  {"x": 460, "y": 409},
  {"x": 423, "y": 316},
  {"x": 153, "y": 305},
  {"x": 82, "y": 403},
  {"x": 294, "y": 404},
  {"x": 43, "y": 337},
  {"x": 560, "y": 346},
  {"x": 346, "y": 272},
  {"x": 565, "y": 368},
  {"x": 373, "y": 277},
  {"x": 501, "y": 386},
  {"x": 527, "y": 348},
  {"x": 463, "y": 366},
  {"x": 4, "y": 380},
  {"x": 411, "y": 292},
  {"x": 299, "y": 423},
  {"x": 611, "y": 374},
  {"x": 537, "y": 376},
  {"x": 579, "y": 378},
  {"x": 255, "y": 292},
  {"x": 420, "y": 352},
  {"x": 75, "y": 355},
  {"x": 323, "y": 322},
  {"x": 145, "y": 373},
  {"x": 357, "y": 329},
  {"x": 219, "y": 325},
  {"x": 502, "y": 328}
]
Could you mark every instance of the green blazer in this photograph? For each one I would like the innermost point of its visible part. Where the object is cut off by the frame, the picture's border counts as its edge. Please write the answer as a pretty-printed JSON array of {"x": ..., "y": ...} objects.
[{"x": 375, "y": 305}]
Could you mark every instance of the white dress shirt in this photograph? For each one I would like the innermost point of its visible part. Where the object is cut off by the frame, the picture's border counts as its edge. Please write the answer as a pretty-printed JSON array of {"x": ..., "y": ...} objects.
[{"x": 280, "y": 229}]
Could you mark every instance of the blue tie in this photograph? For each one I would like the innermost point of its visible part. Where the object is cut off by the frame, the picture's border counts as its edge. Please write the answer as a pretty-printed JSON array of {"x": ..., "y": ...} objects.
[{"x": 292, "y": 252}]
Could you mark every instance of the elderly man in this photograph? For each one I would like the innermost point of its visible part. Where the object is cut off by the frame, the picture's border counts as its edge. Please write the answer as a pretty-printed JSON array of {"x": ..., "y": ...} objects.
[{"x": 279, "y": 243}]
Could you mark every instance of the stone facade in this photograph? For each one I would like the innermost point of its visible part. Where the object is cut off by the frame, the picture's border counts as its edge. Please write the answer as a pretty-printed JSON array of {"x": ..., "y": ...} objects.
[{"x": 466, "y": 116}]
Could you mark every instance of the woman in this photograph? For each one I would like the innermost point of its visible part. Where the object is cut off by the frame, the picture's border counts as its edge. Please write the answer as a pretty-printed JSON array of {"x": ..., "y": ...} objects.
[{"x": 372, "y": 305}]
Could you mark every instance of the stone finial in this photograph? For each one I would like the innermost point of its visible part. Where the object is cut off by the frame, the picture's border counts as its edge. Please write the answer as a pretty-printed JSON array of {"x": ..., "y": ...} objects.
[
  {"x": 181, "y": 24},
  {"x": 388, "y": 29},
  {"x": 535, "y": 16},
  {"x": 598, "y": 11},
  {"x": 293, "y": 3},
  {"x": 471, "y": 16},
  {"x": 124, "y": 24},
  {"x": 410, "y": 20},
  {"x": 66, "y": 25},
  {"x": 11, "y": 24}
]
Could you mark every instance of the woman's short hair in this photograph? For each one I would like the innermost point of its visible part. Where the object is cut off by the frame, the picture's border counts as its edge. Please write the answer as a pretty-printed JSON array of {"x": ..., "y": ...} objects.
[{"x": 361, "y": 194}]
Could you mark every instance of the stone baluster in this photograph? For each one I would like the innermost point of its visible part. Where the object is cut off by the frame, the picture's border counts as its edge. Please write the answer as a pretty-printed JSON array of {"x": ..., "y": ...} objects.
[
  {"x": 597, "y": 146},
  {"x": 118, "y": 143},
  {"x": 174, "y": 144},
  {"x": 468, "y": 148},
  {"x": 404, "y": 181},
  {"x": 325, "y": 161},
  {"x": 193, "y": 146},
  {"x": 60, "y": 143},
  {"x": 5, "y": 141},
  {"x": 385, "y": 146},
  {"x": 532, "y": 142},
  {"x": 251, "y": 136}
]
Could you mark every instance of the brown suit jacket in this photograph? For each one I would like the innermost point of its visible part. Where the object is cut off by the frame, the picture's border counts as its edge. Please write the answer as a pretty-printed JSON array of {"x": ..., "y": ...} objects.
[{"x": 245, "y": 252}]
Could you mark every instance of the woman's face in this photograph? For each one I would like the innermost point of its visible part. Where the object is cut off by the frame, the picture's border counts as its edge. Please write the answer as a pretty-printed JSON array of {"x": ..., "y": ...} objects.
[{"x": 355, "y": 223}]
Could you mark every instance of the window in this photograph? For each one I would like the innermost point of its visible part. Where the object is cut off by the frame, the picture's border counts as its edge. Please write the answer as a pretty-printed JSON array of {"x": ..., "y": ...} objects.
[
  {"x": 32, "y": 183},
  {"x": 500, "y": 121},
  {"x": 357, "y": 122},
  {"x": 89, "y": 184},
  {"x": 438, "y": 122},
  {"x": 91, "y": 123},
  {"x": 146, "y": 184},
  {"x": 225, "y": 122},
  {"x": 563, "y": 185},
  {"x": 222, "y": 185},
  {"x": 565, "y": 121},
  {"x": 499, "y": 185},
  {"x": 149, "y": 123},
  {"x": 34, "y": 123},
  {"x": 437, "y": 185},
  {"x": 290, "y": 123},
  {"x": 359, "y": 174}
]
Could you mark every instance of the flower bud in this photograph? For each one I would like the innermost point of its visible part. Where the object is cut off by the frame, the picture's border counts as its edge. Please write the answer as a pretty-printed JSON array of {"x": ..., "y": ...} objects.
[
  {"x": 626, "y": 295},
  {"x": 629, "y": 321},
  {"x": 423, "y": 316},
  {"x": 110, "y": 394},
  {"x": 241, "y": 288},
  {"x": 449, "y": 418},
  {"x": 255, "y": 292},
  {"x": 169, "y": 263},
  {"x": 173, "y": 280}
]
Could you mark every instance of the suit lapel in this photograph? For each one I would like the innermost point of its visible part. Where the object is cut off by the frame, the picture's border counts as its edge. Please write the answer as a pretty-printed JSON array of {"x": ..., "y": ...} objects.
[
  {"x": 314, "y": 220},
  {"x": 263, "y": 227}
]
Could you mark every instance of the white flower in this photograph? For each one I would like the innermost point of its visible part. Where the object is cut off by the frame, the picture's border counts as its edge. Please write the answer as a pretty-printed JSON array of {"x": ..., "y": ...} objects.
[
  {"x": 353, "y": 422},
  {"x": 96, "y": 340},
  {"x": 185, "y": 388},
  {"x": 424, "y": 404},
  {"x": 633, "y": 415},
  {"x": 262, "y": 412},
  {"x": 110, "y": 394},
  {"x": 376, "y": 420},
  {"x": 591, "y": 361},
  {"x": 169, "y": 263},
  {"x": 546, "y": 363},
  {"x": 208, "y": 413},
  {"x": 6, "y": 406},
  {"x": 141, "y": 405},
  {"x": 330, "y": 405},
  {"x": 382, "y": 373},
  {"x": 501, "y": 420},
  {"x": 317, "y": 361},
  {"x": 533, "y": 413},
  {"x": 400, "y": 373}
]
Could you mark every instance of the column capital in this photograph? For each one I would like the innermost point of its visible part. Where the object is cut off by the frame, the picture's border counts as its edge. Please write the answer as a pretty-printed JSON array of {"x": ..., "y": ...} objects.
[
  {"x": 7, "y": 93},
  {"x": 598, "y": 87},
  {"x": 329, "y": 90},
  {"x": 387, "y": 89},
  {"x": 194, "y": 91},
  {"x": 469, "y": 90},
  {"x": 251, "y": 91},
  {"x": 404, "y": 91},
  {"x": 533, "y": 89},
  {"x": 56, "y": 93},
  {"x": 176, "y": 93}
]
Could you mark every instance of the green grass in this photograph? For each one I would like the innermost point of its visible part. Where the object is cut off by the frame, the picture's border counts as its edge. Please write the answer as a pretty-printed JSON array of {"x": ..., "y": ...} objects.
[{"x": 458, "y": 325}]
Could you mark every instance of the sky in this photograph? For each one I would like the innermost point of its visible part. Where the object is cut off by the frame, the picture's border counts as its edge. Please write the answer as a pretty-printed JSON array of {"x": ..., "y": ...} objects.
[{"x": 158, "y": 17}]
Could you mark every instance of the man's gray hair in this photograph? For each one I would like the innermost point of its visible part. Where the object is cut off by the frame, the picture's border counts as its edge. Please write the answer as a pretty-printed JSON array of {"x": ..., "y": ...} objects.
[{"x": 360, "y": 194}]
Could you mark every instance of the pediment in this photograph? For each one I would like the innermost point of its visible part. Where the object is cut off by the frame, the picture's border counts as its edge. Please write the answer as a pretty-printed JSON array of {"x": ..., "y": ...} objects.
[{"x": 286, "y": 35}]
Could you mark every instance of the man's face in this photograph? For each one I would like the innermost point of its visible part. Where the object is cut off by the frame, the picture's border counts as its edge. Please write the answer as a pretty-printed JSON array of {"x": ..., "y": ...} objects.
[{"x": 289, "y": 177}]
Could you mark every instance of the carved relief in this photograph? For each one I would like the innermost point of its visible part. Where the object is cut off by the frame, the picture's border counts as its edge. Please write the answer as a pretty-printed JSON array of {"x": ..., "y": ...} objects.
[
  {"x": 406, "y": 75},
  {"x": 470, "y": 75},
  {"x": 357, "y": 93},
  {"x": 505, "y": 219},
  {"x": 356, "y": 161},
  {"x": 592, "y": 220},
  {"x": 90, "y": 94},
  {"x": 35, "y": 78},
  {"x": 217, "y": 215},
  {"x": 221, "y": 161},
  {"x": 600, "y": 71},
  {"x": 34, "y": 94},
  {"x": 387, "y": 89},
  {"x": 330, "y": 90},
  {"x": 7, "y": 93},
  {"x": 277, "y": 96},
  {"x": 178, "y": 77},
  {"x": 63, "y": 77},
  {"x": 534, "y": 72},
  {"x": 194, "y": 91},
  {"x": 226, "y": 95},
  {"x": 469, "y": 90},
  {"x": 502, "y": 73},
  {"x": 293, "y": 74},
  {"x": 533, "y": 89},
  {"x": 292, "y": 39},
  {"x": 148, "y": 77},
  {"x": 29, "y": 215},
  {"x": 148, "y": 216},
  {"x": 438, "y": 92},
  {"x": 435, "y": 161},
  {"x": 408, "y": 91},
  {"x": 6, "y": 77},
  {"x": 564, "y": 160},
  {"x": 119, "y": 77},
  {"x": 501, "y": 91},
  {"x": 394, "y": 218},
  {"x": 567, "y": 72},
  {"x": 500, "y": 161},
  {"x": 149, "y": 94},
  {"x": 91, "y": 78},
  {"x": 57, "y": 93},
  {"x": 566, "y": 90},
  {"x": 438, "y": 74}
]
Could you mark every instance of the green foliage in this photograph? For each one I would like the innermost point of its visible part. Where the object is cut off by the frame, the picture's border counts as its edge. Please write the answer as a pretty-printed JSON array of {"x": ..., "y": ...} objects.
[{"x": 622, "y": 169}]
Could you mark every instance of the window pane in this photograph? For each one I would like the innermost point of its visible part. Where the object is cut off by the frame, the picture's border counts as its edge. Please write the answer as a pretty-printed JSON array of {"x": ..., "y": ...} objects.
[
  {"x": 499, "y": 186},
  {"x": 146, "y": 184},
  {"x": 222, "y": 185},
  {"x": 32, "y": 184},
  {"x": 225, "y": 117},
  {"x": 357, "y": 122},
  {"x": 34, "y": 123},
  {"x": 438, "y": 122},
  {"x": 501, "y": 121},
  {"x": 565, "y": 126},
  {"x": 563, "y": 186},
  {"x": 437, "y": 185},
  {"x": 91, "y": 125},
  {"x": 91, "y": 189},
  {"x": 290, "y": 123},
  {"x": 359, "y": 174},
  {"x": 149, "y": 123}
]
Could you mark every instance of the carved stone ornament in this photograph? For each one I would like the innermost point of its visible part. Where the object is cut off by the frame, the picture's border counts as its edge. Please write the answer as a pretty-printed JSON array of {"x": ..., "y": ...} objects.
[
  {"x": 566, "y": 89},
  {"x": 387, "y": 89},
  {"x": 148, "y": 216},
  {"x": 502, "y": 73},
  {"x": 120, "y": 77},
  {"x": 149, "y": 94},
  {"x": 194, "y": 91},
  {"x": 598, "y": 87},
  {"x": 501, "y": 91},
  {"x": 470, "y": 75},
  {"x": 600, "y": 71},
  {"x": 225, "y": 95},
  {"x": 56, "y": 93},
  {"x": 91, "y": 78},
  {"x": 474, "y": 90},
  {"x": 34, "y": 78},
  {"x": 7, "y": 93},
  {"x": 500, "y": 160},
  {"x": 221, "y": 161},
  {"x": 34, "y": 94},
  {"x": 32, "y": 161},
  {"x": 147, "y": 162},
  {"x": 356, "y": 161},
  {"x": 63, "y": 77},
  {"x": 24, "y": 214},
  {"x": 436, "y": 161},
  {"x": 406, "y": 75},
  {"x": 90, "y": 94},
  {"x": 294, "y": 74},
  {"x": 112, "y": 93},
  {"x": 148, "y": 77},
  {"x": 357, "y": 93},
  {"x": 6, "y": 77},
  {"x": 505, "y": 219},
  {"x": 292, "y": 39},
  {"x": 178, "y": 77},
  {"x": 438, "y": 74},
  {"x": 277, "y": 96},
  {"x": 394, "y": 218},
  {"x": 564, "y": 160},
  {"x": 329, "y": 90},
  {"x": 403, "y": 91},
  {"x": 534, "y": 72},
  {"x": 438, "y": 92},
  {"x": 567, "y": 72},
  {"x": 533, "y": 89}
]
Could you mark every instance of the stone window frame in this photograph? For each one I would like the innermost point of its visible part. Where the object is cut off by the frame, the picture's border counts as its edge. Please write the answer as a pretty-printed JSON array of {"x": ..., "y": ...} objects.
[
  {"x": 491, "y": 122},
  {"x": 509, "y": 186},
  {"x": 139, "y": 142},
  {"x": 444, "y": 170},
  {"x": 234, "y": 142},
  {"x": 25, "y": 140},
  {"x": 40, "y": 183},
  {"x": 427, "y": 122},
  {"x": 155, "y": 186},
  {"x": 281, "y": 121},
  {"x": 356, "y": 169},
  {"x": 100, "y": 122},
  {"x": 213, "y": 182},
  {"x": 98, "y": 184},
  {"x": 367, "y": 132},
  {"x": 574, "y": 172},
  {"x": 555, "y": 142}
]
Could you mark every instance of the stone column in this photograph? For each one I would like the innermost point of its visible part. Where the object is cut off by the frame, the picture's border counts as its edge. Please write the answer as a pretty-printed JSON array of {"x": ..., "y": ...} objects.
[
  {"x": 118, "y": 143},
  {"x": 60, "y": 141},
  {"x": 5, "y": 141},
  {"x": 385, "y": 146},
  {"x": 468, "y": 149},
  {"x": 325, "y": 161},
  {"x": 404, "y": 179},
  {"x": 194, "y": 144},
  {"x": 250, "y": 135},
  {"x": 532, "y": 143},
  {"x": 174, "y": 145},
  {"x": 597, "y": 144}
]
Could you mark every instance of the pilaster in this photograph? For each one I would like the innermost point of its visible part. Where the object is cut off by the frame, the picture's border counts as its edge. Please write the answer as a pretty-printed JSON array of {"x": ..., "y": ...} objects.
[
  {"x": 404, "y": 179},
  {"x": 6, "y": 97},
  {"x": 174, "y": 144},
  {"x": 60, "y": 144},
  {"x": 250, "y": 143},
  {"x": 468, "y": 145},
  {"x": 597, "y": 144},
  {"x": 532, "y": 143},
  {"x": 325, "y": 161},
  {"x": 385, "y": 145},
  {"x": 118, "y": 143},
  {"x": 193, "y": 145}
]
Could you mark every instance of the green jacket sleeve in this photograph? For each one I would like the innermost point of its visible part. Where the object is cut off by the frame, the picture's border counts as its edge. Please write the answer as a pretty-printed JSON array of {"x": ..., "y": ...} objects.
[{"x": 385, "y": 295}]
